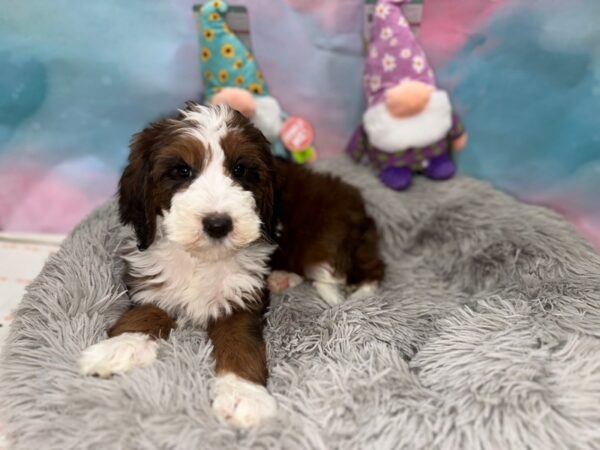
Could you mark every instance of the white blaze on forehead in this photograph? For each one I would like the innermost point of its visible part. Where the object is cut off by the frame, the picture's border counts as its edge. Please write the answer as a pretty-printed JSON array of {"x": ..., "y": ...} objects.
[
  {"x": 208, "y": 125},
  {"x": 213, "y": 191}
]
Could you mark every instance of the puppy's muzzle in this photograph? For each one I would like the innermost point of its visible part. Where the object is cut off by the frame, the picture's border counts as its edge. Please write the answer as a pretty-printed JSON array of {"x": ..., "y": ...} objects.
[{"x": 217, "y": 226}]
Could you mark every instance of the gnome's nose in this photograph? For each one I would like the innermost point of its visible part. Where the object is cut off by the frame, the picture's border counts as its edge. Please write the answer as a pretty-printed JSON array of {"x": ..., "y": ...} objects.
[{"x": 408, "y": 98}]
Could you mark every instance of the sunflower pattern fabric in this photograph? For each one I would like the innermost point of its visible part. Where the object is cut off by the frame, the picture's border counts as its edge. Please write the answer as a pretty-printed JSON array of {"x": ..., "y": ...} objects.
[{"x": 225, "y": 60}]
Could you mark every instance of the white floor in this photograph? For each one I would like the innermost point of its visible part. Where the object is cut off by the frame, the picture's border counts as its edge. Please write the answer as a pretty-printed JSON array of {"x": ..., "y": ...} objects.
[{"x": 22, "y": 256}]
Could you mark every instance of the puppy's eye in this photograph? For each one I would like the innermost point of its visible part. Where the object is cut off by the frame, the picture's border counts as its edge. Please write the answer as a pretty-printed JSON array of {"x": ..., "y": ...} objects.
[
  {"x": 183, "y": 171},
  {"x": 239, "y": 170}
]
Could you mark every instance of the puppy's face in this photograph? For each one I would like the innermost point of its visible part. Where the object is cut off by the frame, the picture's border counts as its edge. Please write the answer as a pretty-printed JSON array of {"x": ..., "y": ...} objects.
[{"x": 208, "y": 173}]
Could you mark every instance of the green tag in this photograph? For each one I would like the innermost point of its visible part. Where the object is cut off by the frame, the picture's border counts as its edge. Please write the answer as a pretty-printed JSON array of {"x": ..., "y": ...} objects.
[{"x": 304, "y": 156}]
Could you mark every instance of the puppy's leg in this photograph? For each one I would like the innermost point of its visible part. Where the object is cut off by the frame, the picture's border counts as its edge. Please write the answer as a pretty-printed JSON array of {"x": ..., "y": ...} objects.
[
  {"x": 132, "y": 342},
  {"x": 240, "y": 395},
  {"x": 364, "y": 291},
  {"x": 367, "y": 269},
  {"x": 326, "y": 283}
]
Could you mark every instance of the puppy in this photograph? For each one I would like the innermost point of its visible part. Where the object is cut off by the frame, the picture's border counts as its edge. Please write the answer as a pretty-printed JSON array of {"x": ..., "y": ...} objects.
[
  {"x": 205, "y": 197},
  {"x": 198, "y": 192}
]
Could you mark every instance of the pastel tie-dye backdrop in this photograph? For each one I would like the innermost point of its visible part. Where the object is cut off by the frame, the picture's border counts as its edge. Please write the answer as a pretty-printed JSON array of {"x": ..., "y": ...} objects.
[
  {"x": 527, "y": 77},
  {"x": 78, "y": 78}
]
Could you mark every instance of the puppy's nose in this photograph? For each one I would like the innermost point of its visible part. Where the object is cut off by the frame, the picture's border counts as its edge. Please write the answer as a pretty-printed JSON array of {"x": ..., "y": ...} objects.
[{"x": 217, "y": 225}]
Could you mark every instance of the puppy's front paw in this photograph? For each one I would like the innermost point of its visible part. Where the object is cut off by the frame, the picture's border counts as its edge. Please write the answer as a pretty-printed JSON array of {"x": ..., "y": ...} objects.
[
  {"x": 242, "y": 403},
  {"x": 118, "y": 354},
  {"x": 329, "y": 292},
  {"x": 280, "y": 280}
]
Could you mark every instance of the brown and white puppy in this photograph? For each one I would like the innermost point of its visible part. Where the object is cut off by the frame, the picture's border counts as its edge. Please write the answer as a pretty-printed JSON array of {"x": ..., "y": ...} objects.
[
  {"x": 208, "y": 202},
  {"x": 198, "y": 191}
]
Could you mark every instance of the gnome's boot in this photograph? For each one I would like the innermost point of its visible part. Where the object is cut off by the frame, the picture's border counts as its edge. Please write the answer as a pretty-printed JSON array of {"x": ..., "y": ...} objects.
[
  {"x": 396, "y": 178},
  {"x": 440, "y": 168}
]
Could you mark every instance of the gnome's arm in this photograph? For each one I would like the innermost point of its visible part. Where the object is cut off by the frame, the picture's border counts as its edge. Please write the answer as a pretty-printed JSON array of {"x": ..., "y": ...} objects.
[
  {"x": 457, "y": 133},
  {"x": 356, "y": 148}
]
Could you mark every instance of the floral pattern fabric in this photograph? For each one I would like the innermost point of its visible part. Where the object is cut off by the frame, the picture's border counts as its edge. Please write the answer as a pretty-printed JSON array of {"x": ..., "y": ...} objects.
[
  {"x": 394, "y": 53},
  {"x": 225, "y": 61}
]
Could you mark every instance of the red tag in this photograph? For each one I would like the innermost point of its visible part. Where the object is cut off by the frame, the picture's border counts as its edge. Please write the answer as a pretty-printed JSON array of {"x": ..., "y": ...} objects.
[{"x": 296, "y": 134}]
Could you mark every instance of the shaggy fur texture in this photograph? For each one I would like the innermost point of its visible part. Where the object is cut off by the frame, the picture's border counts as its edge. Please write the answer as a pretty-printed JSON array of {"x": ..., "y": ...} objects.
[{"x": 486, "y": 334}]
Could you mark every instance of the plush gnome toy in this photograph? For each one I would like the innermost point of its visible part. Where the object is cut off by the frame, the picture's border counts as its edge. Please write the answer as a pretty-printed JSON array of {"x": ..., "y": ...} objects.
[
  {"x": 231, "y": 76},
  {"x": 408, "y": 127}
]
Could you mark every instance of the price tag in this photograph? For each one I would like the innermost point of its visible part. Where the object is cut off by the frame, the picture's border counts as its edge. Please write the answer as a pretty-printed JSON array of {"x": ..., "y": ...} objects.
[{"x": 296, "y": 134}]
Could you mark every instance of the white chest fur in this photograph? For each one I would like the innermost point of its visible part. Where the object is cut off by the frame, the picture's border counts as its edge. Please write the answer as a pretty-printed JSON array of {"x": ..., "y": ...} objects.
[{"x": 191, "y": 288}]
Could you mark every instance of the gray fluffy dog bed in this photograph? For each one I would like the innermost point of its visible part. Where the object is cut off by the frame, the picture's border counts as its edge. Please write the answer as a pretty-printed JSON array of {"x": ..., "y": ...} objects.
[{"x": 485, "y": 335}]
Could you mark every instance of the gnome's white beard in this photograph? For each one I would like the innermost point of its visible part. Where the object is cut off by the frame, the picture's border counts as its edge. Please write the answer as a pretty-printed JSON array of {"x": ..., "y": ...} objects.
[
  {"x": 391, "y": 134},
  {"x": 267, "y": 117}
]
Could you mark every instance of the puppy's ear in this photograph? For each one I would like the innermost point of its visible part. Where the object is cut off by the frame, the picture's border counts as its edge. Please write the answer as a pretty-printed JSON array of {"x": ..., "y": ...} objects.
[
  {"x": 267, "y": 201},
  {"x": 136, "y": 192}
]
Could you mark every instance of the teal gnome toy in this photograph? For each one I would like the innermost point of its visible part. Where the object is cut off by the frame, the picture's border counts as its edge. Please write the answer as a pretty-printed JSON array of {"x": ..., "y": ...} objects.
[{"x": 231, "y": 76}]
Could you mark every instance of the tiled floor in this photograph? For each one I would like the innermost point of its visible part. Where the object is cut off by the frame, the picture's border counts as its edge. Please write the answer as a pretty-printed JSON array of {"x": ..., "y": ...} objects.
[{"x": 22, "y": 256}]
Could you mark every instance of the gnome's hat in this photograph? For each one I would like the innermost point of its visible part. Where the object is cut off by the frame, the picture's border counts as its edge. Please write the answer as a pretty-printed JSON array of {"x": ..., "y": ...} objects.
[
  {"x": 225, "y": 60},
  {"x": 394, "y": 54}
]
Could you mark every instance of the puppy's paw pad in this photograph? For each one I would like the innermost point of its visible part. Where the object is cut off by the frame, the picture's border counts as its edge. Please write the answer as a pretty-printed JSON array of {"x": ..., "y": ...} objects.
[
  {"x": 118, "y": 354},
  {"x": 279, "y": 281},
  {"x": 242, "y": 403}
]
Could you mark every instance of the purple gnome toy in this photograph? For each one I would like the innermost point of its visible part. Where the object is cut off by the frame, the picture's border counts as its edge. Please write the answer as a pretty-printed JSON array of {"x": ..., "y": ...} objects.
[{"x": 408, "y": 127}]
